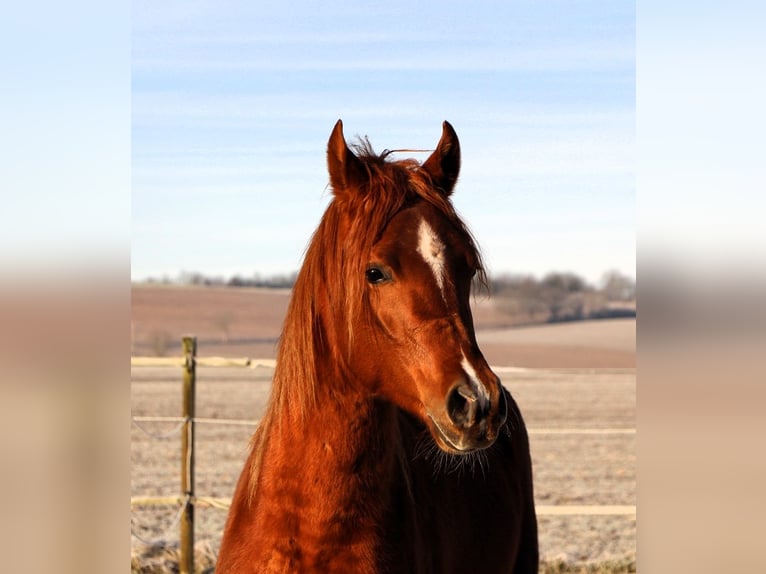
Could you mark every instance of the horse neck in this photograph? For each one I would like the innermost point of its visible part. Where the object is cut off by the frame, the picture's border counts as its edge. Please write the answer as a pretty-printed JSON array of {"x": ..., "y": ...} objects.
[
  {"x": 343, "y": 429},
  {"x": 327, "y": 472}
]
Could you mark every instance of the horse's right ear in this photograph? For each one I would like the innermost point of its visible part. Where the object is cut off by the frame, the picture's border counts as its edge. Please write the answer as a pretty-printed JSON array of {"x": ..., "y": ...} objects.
[{"x": 347, "y": 172}]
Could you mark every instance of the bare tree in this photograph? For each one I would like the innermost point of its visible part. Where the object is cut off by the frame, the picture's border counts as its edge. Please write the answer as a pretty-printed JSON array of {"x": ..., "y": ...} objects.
[
  {"x": 618, "y": 287},
  {"x": 557, "y": 290}
]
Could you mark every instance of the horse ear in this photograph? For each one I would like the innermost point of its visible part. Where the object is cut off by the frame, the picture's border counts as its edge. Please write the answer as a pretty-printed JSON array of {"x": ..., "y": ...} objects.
[
  {"x": 347, "y": 172},
  {"x": 443, "y": 165}
]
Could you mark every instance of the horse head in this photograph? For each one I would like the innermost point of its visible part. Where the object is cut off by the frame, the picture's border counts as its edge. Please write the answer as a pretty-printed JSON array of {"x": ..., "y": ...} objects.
[{"x": 399, "y": 318}]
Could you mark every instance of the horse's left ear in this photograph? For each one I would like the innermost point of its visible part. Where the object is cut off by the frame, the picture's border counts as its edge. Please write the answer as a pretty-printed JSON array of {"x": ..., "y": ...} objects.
[{"x": 443, "y": 165}]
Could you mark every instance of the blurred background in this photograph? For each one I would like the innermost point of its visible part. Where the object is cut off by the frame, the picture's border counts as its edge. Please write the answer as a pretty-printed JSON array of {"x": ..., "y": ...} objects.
[{"x": 80, "y": 168}]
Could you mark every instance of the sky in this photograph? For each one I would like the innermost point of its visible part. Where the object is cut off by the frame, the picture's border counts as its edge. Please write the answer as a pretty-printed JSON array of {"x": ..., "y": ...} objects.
[{"x": 233, "y": 103}]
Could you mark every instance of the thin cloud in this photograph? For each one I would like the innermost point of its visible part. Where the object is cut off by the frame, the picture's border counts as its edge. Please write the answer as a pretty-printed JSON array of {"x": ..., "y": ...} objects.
[{"x": 558, "y": 59}]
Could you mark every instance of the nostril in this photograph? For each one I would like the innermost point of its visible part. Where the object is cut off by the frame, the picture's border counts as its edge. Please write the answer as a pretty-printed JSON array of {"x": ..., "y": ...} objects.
[{"x": 462, "y": 405}]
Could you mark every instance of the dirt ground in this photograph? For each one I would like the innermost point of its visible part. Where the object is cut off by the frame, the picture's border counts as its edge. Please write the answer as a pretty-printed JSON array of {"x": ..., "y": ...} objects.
[
  {"x": 246, "y": 322},
  {"x": 563, "y": 409}
]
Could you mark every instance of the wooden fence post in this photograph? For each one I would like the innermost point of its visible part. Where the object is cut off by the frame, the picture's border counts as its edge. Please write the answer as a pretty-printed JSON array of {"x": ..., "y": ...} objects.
[{"x": 186, "y": 561}]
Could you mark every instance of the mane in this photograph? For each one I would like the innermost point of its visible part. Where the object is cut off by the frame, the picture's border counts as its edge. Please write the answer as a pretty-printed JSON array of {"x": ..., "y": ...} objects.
[{"x": 336, "y": 256}]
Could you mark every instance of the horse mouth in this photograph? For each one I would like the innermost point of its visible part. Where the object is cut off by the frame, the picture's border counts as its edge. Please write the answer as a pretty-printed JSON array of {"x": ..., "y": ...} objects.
[{"x": 460, "y": 444}]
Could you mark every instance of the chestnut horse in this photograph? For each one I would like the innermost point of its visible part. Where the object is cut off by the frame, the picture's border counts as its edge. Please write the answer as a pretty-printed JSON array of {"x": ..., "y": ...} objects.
[{"x": 388, "y": 444}]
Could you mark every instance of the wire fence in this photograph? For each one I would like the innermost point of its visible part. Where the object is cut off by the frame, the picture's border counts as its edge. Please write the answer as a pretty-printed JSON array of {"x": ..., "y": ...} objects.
[{"x": 187, "y": 500}]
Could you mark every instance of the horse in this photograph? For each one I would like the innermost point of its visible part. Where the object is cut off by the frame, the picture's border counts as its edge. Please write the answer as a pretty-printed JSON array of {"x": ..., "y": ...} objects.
[{"x": 388, "y": 444}]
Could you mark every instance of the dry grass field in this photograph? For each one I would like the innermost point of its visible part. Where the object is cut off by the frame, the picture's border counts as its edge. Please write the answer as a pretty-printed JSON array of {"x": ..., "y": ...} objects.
[
  {"x": 246, "y": 322},
  {"x": 574, "y": 382}
]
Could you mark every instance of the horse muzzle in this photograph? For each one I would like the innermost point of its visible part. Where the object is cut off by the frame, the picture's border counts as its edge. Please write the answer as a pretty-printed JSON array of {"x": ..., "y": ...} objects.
[{"x": 472, "y": 417}]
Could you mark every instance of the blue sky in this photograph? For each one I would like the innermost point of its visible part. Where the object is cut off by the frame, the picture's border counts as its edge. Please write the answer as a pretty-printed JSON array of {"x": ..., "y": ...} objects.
[{"x": 232, "y": 105}]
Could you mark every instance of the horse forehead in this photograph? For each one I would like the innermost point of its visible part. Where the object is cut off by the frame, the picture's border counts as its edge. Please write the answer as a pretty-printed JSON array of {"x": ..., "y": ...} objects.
[
  {"x": 431, "y": 248},
  {"x": 425, "y": 233},
  {"x": 411, "y": 222}
]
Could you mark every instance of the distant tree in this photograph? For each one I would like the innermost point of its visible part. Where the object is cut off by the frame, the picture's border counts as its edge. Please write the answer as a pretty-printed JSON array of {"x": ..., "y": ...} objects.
[
  {"x": 191, "y": 278},
  {"x": 618, "y": 287},
  {"x": 561, "y": 297},
  {"x": 522, "y": 296},
  {"x": 557, "y": 290},
  {"x": 566, "y": 282},
  {"x": 257, "y": 280}
]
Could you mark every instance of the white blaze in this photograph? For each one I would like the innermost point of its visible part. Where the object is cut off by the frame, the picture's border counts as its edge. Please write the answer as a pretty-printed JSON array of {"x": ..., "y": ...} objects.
[
  {"x": 471, "y": 372},
  {"x": 432, "y": 250}
]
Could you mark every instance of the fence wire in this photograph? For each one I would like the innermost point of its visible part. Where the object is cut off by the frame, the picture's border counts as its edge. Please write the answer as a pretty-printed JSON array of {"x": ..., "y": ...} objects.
[
  {"x": 181, "y": 422},
  {"x": 173, "y": 524},
  {"x": 223, "y": 503}
]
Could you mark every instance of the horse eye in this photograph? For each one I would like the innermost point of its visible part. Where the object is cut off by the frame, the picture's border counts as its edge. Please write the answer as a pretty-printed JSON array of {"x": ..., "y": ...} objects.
[{"x": 375, "y": 275}]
